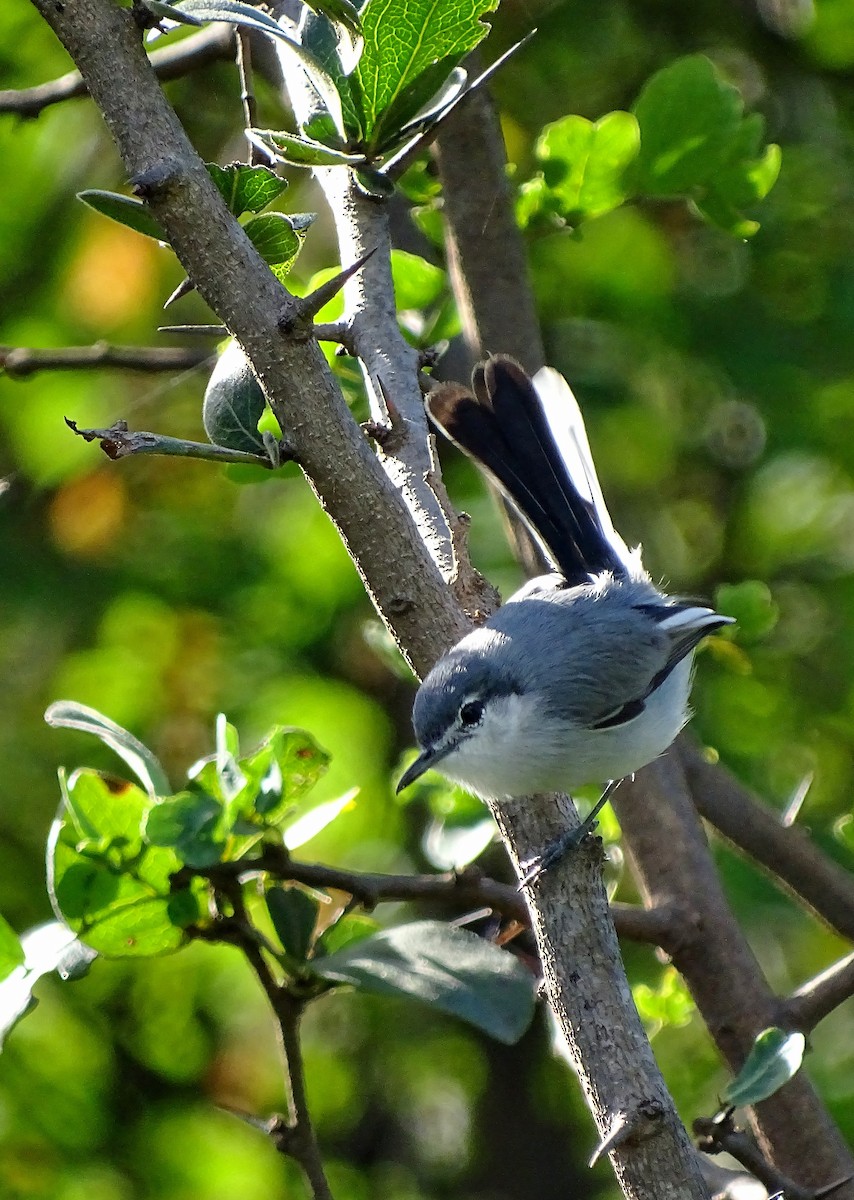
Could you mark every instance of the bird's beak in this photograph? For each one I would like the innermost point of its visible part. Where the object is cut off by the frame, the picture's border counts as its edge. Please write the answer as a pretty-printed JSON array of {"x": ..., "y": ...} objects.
[{"x": 415, "y": 770}]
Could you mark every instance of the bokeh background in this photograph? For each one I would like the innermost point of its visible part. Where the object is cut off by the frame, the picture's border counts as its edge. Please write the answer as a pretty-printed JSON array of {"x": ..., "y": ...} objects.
[{"x": 717, "y": 378}]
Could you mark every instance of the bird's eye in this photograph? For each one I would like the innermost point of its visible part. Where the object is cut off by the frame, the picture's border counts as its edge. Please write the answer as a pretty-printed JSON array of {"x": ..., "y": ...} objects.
[{"x": 471, "y": 713}]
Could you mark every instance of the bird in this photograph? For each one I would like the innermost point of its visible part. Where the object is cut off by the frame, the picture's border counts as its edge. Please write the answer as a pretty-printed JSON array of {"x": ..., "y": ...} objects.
[{"x": 583, "y": 675}]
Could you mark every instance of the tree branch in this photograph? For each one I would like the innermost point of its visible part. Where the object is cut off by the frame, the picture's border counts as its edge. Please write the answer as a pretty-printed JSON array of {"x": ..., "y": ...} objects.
[
  {"x": 19, "y": 362},
  {"x": 120, "y": 442},
  {"x": 486, "y": 253},
  {"x": 401, "y": 576},
  {"x": 786, "y": 852},
  {"x": 466, "y": 889},
  {"x": 294, "y": 1136},
  {"x": 656, "y": 810},
  {"x": 719, "y": 1135},
  {"x": 170, "y": 62},
  {"x": 816, "y": 999}
]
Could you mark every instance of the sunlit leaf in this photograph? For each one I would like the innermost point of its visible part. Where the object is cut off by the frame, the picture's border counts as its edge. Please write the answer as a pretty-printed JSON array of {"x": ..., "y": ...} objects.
[
  {"x": 11, "y": 950},
  {"x": 301, "y": 150},
  {"x": 49, "y": 947},
  {"x": 775, "y": 1057},
  {"x": 417, "y": 282},
  {"x": 245, "y": 188},
  {"x": 450, "y": 845},
  {"x": 199, "y": 12},
  {"x": 696, "y": 142},
  {"x": 68, "y": 714},
  {"x": 311, "y": 823},
  {"x": 191, "y": 824},
  {"x": 405, "y": 38},
  {"x": 276, "y": 240},
  {"x": 108, "y": 885},
  {"x": 449, "y": 968},
  {"x": 349, "y": 928},
  {"x": 584, "y": 164}
]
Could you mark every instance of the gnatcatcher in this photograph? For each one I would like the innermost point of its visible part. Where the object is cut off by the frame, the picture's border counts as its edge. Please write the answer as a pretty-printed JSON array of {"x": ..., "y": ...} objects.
[{"x": 582, "y": 676}]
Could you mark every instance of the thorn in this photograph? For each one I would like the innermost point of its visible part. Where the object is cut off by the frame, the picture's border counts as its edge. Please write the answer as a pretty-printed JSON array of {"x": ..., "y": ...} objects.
[
  {"x": 248, "y": 1118},
  {"x": 310, "y": 305},
  {"x": 194, "y": 330},
  {"x": 635, "y": 1126},
  {"x": 183, "y": 289}
]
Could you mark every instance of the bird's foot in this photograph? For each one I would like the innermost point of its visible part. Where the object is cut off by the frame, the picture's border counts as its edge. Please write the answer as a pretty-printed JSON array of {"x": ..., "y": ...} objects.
[{"x": 568, "y": 841}]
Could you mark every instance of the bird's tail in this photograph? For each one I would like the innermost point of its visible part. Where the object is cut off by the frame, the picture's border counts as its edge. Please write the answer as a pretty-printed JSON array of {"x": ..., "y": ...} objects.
[{"x": 529, "y": 436}]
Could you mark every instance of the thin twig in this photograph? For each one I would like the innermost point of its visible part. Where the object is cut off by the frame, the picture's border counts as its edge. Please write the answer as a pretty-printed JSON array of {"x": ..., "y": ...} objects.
[
  {"x": 819, "y": 997},
  {"x": 719, "y": 1134},
  {"x": 19, "y": 362},
  {"x": 243, "y": 58},
  {"x": 295, "y": 1136},
  {"x": 468, "y": 888},
  {"x": 788, "y": 854},
  {"x": 170, "y": 62},
  {"x": 120, "y": 442}
]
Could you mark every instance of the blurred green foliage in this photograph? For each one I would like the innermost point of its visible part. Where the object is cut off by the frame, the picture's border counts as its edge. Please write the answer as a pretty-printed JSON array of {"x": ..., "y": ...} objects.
[{"x": 717, "y": 378}]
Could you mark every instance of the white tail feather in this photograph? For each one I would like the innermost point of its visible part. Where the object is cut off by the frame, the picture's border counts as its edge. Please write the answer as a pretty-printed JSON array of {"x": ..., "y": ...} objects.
[{"x": 570, "y": 436}]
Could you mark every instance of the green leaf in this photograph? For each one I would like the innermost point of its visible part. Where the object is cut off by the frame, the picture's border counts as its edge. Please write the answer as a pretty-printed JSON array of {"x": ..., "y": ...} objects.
[
  {"x": 302, "y": 151},
  {"x": 68, "y": 714},
  {"x": 245, "y": 188},
  {"x": 127, "y": 210},
  {"x": 191, "y": 824},
  {"x": 740, "y": 184},
  {"x": 374, "y": 183},
  {"x": 11, "y": 950},
  {"x": 199, "y": 12},
  {"x": 584, "y": 164},
  {"x": 775, "y": 1057},
  {"x": 405, "y": 38},
  {"x": 276, "y": 240},
  {"x": 343, "y": 17},
  {"x": 234, "y": 403},
  {"x": 425, "y": 123},
  {"x": 46, "y": 948},
  {"x": 688, "y": 117},
  {"x": 843, "y": 831},
  {"x": 311, "y": 823},
  {"x": 348, "y": 929},
  {"x": 417, "y": 282},
  {"x": 449, "y": 968},
  {"x": 105, "y": 882},
  {"x": 294, "y": 915},
  {"x": 321, "y": 40},
  {"x": 284, "y": 768},
  {"x": 668, "y": 1005},
  {"x": 227, "y": 739}
]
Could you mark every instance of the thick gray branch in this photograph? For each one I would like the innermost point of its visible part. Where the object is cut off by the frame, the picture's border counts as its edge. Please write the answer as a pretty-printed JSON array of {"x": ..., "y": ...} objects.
[
  {"x": 786, "y": 852},
  {"x": 402, "y": 578},
  {"x": 670, "y": 856},
  {"x": 660, "y": 826}
]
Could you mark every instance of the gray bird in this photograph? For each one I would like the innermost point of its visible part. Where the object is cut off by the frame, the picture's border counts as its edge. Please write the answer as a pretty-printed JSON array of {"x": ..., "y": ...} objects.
[{"x": 582, "y": 676}]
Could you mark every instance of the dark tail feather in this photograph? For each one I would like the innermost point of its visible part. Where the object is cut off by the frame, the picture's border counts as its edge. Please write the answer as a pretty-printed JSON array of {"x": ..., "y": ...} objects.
[{"x": 504, "y": 429}]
